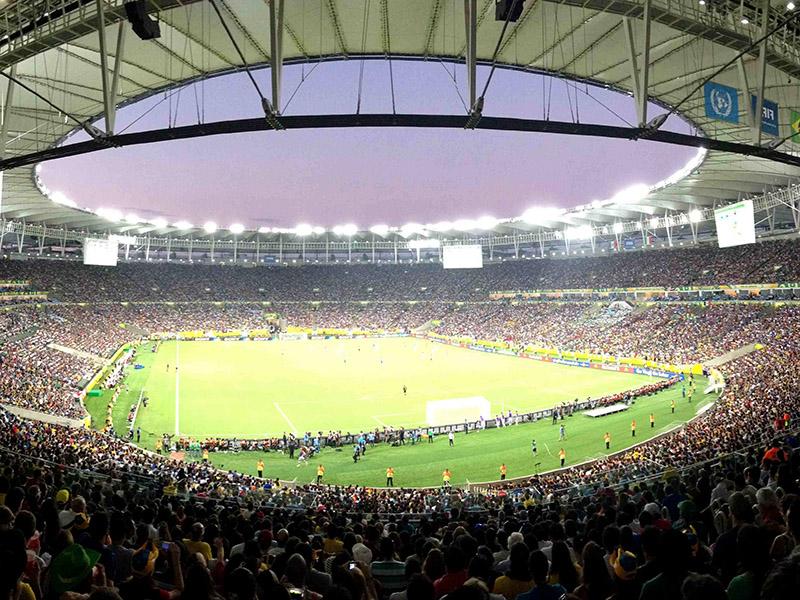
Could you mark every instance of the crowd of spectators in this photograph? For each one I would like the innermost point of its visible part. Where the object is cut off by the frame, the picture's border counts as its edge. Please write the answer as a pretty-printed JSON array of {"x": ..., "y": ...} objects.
[
  {"x": 769, "y": 262},
  {"x": 705, "y": 512}
]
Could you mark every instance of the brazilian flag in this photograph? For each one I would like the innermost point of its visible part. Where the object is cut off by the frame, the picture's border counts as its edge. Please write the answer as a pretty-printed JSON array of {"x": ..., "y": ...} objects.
[{"x": 794, "y": 123}]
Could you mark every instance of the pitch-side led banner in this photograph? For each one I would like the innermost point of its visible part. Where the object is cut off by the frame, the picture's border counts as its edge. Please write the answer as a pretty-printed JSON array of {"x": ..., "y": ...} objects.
[{"x": 722, "y": 102}]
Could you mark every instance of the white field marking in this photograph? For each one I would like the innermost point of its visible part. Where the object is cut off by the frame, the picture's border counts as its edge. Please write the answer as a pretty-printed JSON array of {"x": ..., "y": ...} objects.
[
  {"x": 546, "y": 447},
  {"x": 378, "y": 421},
  {"x": 287, "y": 419},
  {"x": 177, "y": 390}
]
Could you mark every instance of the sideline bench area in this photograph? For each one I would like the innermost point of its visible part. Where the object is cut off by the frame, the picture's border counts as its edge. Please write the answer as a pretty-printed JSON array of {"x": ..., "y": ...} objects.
[{"x": 606, "y": 410}]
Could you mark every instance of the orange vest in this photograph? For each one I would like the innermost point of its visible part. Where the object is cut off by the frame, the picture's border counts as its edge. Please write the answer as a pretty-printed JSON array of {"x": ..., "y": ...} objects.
[
  {"x": 503, "y": 469},
  {"x": 390, "y": 472},
  {"x": 562, "y": 453},
  {"x": 320, "y": 471}
]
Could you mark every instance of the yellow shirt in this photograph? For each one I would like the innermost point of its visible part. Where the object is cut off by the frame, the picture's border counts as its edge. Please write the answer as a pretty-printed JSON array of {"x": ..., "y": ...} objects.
[
  {"x": 198, "y": 547},
  {"x": 390, "y": 472},
  {"x": 320, "y": 471},
  {"x": 511, "y": 588},
  {"x": 260, "y": 465}
]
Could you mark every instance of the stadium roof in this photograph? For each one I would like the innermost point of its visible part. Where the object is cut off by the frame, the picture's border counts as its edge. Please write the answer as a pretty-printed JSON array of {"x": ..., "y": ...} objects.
[{"x": 55, "y": 54}]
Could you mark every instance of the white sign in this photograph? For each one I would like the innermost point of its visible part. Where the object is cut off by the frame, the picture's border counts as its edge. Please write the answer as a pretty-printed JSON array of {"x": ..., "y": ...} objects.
[
  {"x": 462, "y": 257},
  {"x": 101, "y": 252},
  {"x": 735, "y": 224}
]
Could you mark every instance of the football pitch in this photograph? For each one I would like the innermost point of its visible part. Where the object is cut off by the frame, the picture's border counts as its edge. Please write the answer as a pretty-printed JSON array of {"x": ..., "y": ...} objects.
[{"x": 255, "y": 389}]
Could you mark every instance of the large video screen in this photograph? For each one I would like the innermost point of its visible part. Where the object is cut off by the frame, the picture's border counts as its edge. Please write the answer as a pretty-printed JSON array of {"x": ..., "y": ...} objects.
[
  {"x": 100, "y": 252},
  {"x": 735, "y": 224},
  {"x": 462, "y": 257}
]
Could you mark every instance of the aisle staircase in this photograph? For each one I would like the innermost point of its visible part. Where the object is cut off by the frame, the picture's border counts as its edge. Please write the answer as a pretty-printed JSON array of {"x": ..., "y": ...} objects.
[{"x": 731, "y": 356}]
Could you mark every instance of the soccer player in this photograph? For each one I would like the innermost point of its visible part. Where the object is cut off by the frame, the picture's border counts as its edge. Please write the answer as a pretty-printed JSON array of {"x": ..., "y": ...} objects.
[
  {"x": 562, "y": 455},
  {"x": 320, "y": 473},
  {"x": 389, "y": 477},
  {"x": 405, "y": 389},
  {"x": 562, "y": 432},
  {"x": 446, "y": 475},
  {"x": 672, "y": 405},
  {"x": 260, "y": 468},
  {"x": 138, "y": 434},
  {"x": 430, "y": 435},
  {"x": 652, "y": 420},
  {"x": 451, "y": 437},
  {"x": 607, "y": 440},
  {"x": 533, "y": 447},
  {"x": 503, "y": 471},
  {"x": 167, "y": 367},
  {"x": 633, "y": 428}
]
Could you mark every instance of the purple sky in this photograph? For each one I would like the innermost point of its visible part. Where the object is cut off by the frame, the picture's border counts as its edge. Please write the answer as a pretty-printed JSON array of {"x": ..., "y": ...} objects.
[{"x": 366, "y": 176}]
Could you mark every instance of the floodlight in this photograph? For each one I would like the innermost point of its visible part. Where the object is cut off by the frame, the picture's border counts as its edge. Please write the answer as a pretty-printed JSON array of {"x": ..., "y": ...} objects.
[
  {"x": 264, "y": 230},
  {"x": 789, "y": 6},
  {"x": 159, "y": 222},
  {"x": 60, "y": 198},
  {"x": 538, "y": 214},
  {"x": 345, "y": 230},
  {"x": 441, "y": 226},
  {"x": 654, "y": 223},
  {"x": 632, "y": 195},
  {"x": 317, "y": 230},
  {"x": 132, "y": 218},
  {"x": 486, "y": 223},
  {"x": 182, "y": 225},
  {"x": 210, "y": 227},
  {"x": 465, "y": 225},
  {"x": 618, "y": 227},
  {"x": 110, "y": 214},
  {"x": 745, "y": 21},
  {"x": 583, "y": 232},
  {"x": 380, "y": 230},
  {"x": 695, "y": 216},
  {"x": 303, "y": 229},
  {"x": 236, "y": 228}
]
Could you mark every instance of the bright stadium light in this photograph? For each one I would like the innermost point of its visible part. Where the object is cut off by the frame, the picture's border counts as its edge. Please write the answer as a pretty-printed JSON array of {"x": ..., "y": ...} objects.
[
  {"x": 410, "y": 229},
  {"x": 486, "y": 222},
  {"x": 441, "y": 226},
  {"x": 695, "y": 216},
  {"x": 210, "y": 227},
  {"x": 159, "y": 222},
  {"x": 618, "y": 227},
  {"x": 317, "y": 230},
  {"x": 381, "y": 230},
  {"x": 654, "y": 223},
  {"x": 110, "y": 214},
  {"x": 182, "y": 225},
  {"x": 236, "y": 228},
  {"x": 132, "y": 218},
  {"x": 539, "y": 214},
  {"x": 631, "y": 195},
  {"x": 303, "y": 229},
  {"x": 348, "y": 230},
  {"x": 789, "y": 6},
  {"x": 61, "y": 198},
  {"x": 465, "y": 225}
]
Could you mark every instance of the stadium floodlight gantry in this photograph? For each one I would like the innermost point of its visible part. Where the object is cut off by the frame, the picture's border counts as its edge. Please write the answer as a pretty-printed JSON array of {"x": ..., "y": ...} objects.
[{"x": 67, "y": 66}]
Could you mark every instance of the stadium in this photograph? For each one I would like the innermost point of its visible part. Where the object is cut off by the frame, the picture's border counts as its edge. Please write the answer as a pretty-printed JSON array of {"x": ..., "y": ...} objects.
[{"x": 365, "y": 387}]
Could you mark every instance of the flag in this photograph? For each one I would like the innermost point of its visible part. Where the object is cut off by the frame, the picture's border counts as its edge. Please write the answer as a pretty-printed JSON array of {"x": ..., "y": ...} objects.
[
  {"x": 722, "y": 102},
  {"x": 794, "y": 123}
]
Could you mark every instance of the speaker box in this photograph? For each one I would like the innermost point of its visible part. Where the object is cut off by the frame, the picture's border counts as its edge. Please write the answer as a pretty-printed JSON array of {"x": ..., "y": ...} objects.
[
  {"x": 502, "y": 10},
  {"x": 143, "y": 26}
]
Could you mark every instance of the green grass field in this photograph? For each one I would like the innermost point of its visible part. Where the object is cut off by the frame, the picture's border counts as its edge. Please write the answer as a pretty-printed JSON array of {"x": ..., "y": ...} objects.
[{"x": 251, "y": 389}]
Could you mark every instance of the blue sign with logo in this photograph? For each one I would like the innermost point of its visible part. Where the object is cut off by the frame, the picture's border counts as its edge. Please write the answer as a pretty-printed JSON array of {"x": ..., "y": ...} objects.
[
  {"x": 629, "y": 244},
  {"x": 769, "y": 115},
  {"x": 722, "y": 102}
]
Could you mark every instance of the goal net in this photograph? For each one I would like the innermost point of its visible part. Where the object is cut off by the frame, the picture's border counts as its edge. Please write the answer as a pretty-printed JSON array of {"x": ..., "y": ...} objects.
[{"x": 455, "y": 410}]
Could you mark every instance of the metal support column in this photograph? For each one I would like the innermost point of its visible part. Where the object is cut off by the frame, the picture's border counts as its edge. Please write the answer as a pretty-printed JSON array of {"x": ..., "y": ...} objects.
[
  {"x": 111, "y": 120},
  {"x": 276, "y": 51},
  {"x": 471, "y": 31},
  {"x": 644, "y": 67},
  {"x": 21, "y": 237},
  {"x": 147, "y": 248},
  {"x": 108, "y": 106},
  {"x": 395, "y": 252},
  {"x": 761, "y": 74},
  {"x": 63, "y": 242},
  {"x": 235, "y": 249},
  {"x": 373, "y": 249},
  {"x": 743, "y": 83},
  {"x": 258, "y": 249},
  {"x": 7, "y": 102},
  {"x": 191, "y": 244},
  {"x": 280, "y": 248},
  {"x": 41, "y": 241},
  {"x": 213, "y": 241}
]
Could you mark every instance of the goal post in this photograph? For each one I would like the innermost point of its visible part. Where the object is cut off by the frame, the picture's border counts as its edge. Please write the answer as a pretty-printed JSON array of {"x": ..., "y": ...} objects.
[{"x": 453, "y": 411}]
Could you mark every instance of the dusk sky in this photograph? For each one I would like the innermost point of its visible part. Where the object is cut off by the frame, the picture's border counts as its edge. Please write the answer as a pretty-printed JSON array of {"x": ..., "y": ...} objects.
[{"x": 366, "y": 176}]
